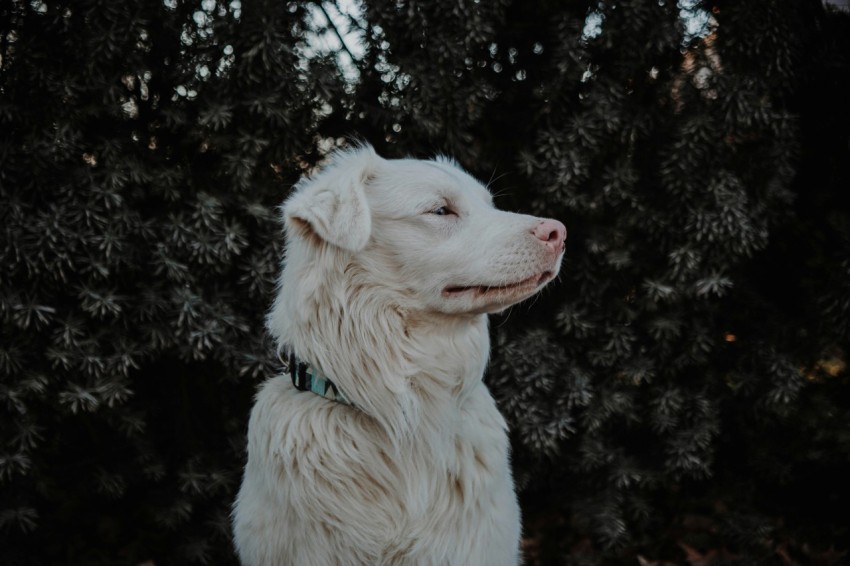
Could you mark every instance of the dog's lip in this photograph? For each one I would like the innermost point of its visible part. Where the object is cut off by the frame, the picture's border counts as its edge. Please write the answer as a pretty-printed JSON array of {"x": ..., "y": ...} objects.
[{"x": 527, "y": 283}]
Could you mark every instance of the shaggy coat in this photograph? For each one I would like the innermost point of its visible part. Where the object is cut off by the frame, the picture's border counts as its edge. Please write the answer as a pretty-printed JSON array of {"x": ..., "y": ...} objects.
[{"x": 390, "y": 269}]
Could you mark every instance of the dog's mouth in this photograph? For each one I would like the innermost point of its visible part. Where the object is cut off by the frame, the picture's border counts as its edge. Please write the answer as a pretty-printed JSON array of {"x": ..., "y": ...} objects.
[{"x": 479, "y": 290}]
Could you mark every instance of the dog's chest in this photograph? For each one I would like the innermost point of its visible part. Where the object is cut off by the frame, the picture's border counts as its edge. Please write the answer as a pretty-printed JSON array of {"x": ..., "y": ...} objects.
[
  {"x": 462, "y": 491},
  {"x": 459, "y": 457}
]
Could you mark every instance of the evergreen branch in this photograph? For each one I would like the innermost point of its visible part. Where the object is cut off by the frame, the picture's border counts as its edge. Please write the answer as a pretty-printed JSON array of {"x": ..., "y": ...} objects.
[
  {"x": 336, "y": 32},
  {"x": 351, "y": 19}
]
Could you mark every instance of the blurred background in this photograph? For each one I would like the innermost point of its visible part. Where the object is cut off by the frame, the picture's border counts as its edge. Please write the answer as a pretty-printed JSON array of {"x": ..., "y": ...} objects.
[{"x": 680, "y": 395}]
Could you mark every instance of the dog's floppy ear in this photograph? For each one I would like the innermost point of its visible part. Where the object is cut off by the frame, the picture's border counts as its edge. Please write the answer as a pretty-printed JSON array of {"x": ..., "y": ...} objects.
[{"x": 332, "y": 204}]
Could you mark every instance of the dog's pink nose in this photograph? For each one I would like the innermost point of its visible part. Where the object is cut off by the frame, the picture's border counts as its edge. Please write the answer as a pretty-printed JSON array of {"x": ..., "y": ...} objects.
[{"x": 551, "y": 232}]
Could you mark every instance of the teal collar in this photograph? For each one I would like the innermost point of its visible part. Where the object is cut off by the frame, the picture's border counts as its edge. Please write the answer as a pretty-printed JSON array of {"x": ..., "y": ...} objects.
[{"x": 307, "y": 378}]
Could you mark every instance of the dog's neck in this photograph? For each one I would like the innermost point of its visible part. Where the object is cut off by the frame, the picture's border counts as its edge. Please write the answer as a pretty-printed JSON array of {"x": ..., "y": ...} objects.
[{"x": 399, "y": 366}]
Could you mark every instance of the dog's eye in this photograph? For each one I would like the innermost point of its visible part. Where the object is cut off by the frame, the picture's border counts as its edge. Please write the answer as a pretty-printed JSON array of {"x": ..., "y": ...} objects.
[{"x": 442, "y": 211}]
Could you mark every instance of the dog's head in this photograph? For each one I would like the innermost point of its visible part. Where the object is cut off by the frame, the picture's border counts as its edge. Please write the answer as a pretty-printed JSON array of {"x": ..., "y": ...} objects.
[{"x": 424, "y": 230}]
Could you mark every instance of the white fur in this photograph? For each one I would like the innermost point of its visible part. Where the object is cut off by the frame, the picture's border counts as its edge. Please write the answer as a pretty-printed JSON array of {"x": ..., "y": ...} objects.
[{"x": 418, "y": 473}]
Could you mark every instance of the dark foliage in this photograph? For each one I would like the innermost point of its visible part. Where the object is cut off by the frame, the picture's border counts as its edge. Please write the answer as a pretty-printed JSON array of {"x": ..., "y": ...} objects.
[{"x": 681, "y": 392}]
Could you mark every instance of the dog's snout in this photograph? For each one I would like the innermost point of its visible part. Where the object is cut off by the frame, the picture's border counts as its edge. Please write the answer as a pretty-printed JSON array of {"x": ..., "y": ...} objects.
[{"x": 551, "y": 232}]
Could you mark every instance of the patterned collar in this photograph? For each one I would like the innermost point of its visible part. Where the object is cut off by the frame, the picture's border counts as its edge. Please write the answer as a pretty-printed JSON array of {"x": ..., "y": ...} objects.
[{"x": 307, "y": 378}]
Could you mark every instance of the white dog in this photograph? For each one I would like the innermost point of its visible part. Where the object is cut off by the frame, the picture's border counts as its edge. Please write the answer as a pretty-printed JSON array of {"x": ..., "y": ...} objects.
[{"x": 401, "y": 456}]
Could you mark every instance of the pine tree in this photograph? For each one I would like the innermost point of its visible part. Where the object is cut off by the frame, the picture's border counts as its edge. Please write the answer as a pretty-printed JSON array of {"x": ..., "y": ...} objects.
[
  {"x": 697, "y": 338},
  {"x": 683, "y": 385},
  {"x": 144, "y": 148}
]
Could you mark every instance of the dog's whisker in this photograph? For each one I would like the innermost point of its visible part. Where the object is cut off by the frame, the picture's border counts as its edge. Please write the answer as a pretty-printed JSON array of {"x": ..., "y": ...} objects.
[
  {"x": 494, "y": 180},
  {"x": 503, "y": 192}
]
